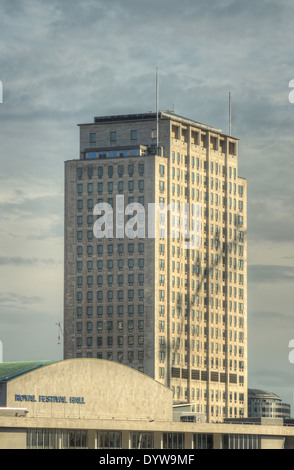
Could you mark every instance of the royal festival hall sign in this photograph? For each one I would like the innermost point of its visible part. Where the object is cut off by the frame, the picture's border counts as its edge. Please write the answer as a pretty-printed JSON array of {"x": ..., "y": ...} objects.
[{"x": 50, "y": 399}]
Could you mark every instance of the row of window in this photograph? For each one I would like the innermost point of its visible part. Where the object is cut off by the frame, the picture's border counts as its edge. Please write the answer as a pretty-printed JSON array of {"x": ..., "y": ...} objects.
[
  {"x": 179, "y": 298},
  {"x": 109, "y": 326},
  {"x": 110, "y": 310},
  {"x": 109, "y": 343},
  {"x": 113, "y": 136},
  {"x": 110, "y": 188},
  {"x": 77, "y": 439},
  {"x": 217, "y": 348},
  {"x": 43, "y": 438},
  {"x": 218, "y": 184},
  {"x": 119, "y": 248},
  {"x": 110, "y": 280},
  {"x": 197, "y": 329},
  {"x": 201, "y": 361},
  {"x": 110, "y": 295},
  {"x": 110, "y": 265},
  {"x": 121, "y": 169},
  {"x": 199, "y": 164}
]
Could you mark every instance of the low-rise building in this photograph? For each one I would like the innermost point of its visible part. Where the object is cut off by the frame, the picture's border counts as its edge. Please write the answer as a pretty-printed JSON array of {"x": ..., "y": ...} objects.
[
  {"x": 266, "y": 405},
  {"x": 98, "y": 404}
]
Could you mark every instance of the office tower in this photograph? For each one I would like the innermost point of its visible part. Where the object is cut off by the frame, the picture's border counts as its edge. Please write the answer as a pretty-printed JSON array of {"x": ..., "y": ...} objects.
[{"x": 174, "y": 311}]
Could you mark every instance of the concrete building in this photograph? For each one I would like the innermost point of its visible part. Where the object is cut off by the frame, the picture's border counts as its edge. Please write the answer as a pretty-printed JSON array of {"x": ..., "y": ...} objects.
[
  {"x": 98, "y": 404},
  {"x": 175, "y": 311},
  {"x": 266, "y": 405}
]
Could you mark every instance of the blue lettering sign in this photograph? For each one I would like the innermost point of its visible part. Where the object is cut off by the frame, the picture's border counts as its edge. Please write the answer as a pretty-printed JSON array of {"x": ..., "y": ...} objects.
[
  {"x": 50, "y": 399},
  {"x": 79, "y": 400},
  {"x": 25, "y": 398}
]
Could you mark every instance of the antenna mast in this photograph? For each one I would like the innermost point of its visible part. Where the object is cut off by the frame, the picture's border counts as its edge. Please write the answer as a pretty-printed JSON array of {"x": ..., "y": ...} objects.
[
  {"x": 60, "y": 331},
  {"x": 230, "y": 126},
  {"x": 157, "y": 127}
]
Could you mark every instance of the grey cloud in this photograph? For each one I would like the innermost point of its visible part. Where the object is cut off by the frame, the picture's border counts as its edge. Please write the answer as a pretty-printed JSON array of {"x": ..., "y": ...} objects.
[
  {"x": 274, "y": 320},
  {"x": 42, "y": 206},
  {"x": 19, "y": 261},
  {"x": 270, "y": 274},
  {"x": 272, "y": 219},
  {"x": 9, "y": 299},
  {"x": 55, "y": 231}
]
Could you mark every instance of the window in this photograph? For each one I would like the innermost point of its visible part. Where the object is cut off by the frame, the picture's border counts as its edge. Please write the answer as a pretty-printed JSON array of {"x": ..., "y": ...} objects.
[
  {"x": 142, "y": 440},
  {"x": 99, "y": 311},
  {"x": 173, "y": 440},
  {"x": 130, "y": 295},
  {"x": 112, "y": 136},
  {"x": 120, "y": 295},
  {"x": 130, "y": 310},
  {"x": 131, "y": 170},
  {"x": 92, "y": 138},
  {"x": 120, "y": 264},
  {"x": 130, "y": 263},
  {"x": 140, "y": 309},
  {"x": 133, "y": 135}
]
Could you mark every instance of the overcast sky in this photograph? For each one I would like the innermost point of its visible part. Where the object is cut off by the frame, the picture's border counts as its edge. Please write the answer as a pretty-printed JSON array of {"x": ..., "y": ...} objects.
[{"x": 64, "y": 62}]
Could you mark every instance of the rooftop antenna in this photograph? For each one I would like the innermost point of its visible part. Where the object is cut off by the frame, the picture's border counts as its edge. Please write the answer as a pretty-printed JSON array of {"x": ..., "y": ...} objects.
[
  {"x": 230, "y": 124},
  {"x": 60, "y": 331},
  {"x": 157, "y": 127}
]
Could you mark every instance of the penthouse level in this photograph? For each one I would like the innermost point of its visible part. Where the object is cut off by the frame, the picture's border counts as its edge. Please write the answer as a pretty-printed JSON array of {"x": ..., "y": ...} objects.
[{"x": 118, "y": 136}]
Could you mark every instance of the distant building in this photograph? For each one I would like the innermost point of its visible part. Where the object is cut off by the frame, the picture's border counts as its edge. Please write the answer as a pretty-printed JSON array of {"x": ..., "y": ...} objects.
[{"x": 266, "y": 405}]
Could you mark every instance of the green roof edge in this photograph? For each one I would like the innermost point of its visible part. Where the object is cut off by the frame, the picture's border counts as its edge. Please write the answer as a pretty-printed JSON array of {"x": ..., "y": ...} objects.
[{"x": 12, "y": 370}]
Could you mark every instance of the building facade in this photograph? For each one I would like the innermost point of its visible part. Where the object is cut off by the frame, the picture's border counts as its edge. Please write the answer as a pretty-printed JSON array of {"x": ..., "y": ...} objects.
[
  {"x": 263, "y": 404},
  {"x": 97, "y": 404},
  {"x": 163, "y": 289}
]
